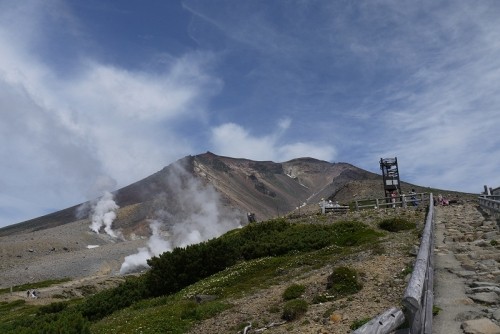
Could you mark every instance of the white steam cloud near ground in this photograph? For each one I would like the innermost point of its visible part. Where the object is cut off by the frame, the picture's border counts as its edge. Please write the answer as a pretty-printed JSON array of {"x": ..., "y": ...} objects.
[
  {"x": 103, "y": 214},
  {"x": 200, "y": 217}
]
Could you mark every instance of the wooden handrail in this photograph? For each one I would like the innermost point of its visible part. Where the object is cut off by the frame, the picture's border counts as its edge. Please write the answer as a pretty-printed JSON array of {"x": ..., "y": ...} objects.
[{"x": 419, "y": 294}]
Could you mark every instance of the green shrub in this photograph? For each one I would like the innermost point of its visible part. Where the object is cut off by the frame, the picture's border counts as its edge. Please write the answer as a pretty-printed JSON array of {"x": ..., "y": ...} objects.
[
  {"x": 64, "y": 322},
  {"x": 493, "y": 242},
  {"x": 293, "y": 309},
  {"x": 173, "y": 271},
  {"x": 293, "y": 291},
  {"x": 318, "y": 299},
  {"x": 396, "y": 224},
  {"x": 343, "y": 281},
  {"x": 106, "y": 302},
  {"x": 52, "y": 308},
  {"x": 67, "y": 323}
]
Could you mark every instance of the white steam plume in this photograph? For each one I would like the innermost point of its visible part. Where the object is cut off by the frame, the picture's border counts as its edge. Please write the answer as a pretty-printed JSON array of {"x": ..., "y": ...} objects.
[
  {"x": 156, "y": 245},
  {"x": 200, "y": 217},
  {"x": 103, "y": 214}
]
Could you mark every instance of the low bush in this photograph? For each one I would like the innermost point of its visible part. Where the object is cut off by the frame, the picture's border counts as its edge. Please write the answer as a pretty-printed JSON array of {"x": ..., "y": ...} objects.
[
  {"x": 293, "y": 291},
  {"x": 64, "y": 322},
  {"x": 106, "y": 302},
  {"x": 293, "y": 309},
  {"x": 173, "y": 271},
  {"x": 318, "y": 299},
  {"x": 52, "y": 308},
  {"x": 396, "y": 225},
  {"x": 343, "y": 281}
]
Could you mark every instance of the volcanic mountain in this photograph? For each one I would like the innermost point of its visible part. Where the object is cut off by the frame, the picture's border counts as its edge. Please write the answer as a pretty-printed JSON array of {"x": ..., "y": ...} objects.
[{"x": 265, "y": 188}]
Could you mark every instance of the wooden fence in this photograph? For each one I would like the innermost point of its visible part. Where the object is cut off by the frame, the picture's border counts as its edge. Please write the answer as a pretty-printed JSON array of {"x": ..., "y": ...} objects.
[
  {"x": 403, "y": 200},
  {"x": 490, "y": 203},
  {"x": 329, "y": 206},
  {"x": 419, "y": 294}
]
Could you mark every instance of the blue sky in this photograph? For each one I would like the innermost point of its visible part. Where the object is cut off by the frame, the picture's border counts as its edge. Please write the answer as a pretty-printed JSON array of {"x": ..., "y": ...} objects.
[{"x": 97, "y": 94}]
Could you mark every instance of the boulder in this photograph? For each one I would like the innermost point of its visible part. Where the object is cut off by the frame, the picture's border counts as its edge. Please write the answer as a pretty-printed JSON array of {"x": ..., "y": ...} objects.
[{"x": 480, "y": 326}]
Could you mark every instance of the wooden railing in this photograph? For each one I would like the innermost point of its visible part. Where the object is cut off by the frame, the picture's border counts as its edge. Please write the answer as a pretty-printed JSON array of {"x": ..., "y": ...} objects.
[
  {"x": 328, "y": 206},
  {"x": 403, "y": 200},
  {"x": 491, "y": 203},
  {"x": 419, "y": 294}
]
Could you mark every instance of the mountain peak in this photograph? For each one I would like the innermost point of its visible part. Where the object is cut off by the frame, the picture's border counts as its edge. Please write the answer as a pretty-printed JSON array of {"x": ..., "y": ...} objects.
[{"x": 265, "y": 188}]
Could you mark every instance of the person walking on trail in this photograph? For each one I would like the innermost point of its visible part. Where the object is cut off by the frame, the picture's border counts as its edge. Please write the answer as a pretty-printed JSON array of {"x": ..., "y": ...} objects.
[
  {"x": 393, "y": 198},
  {"x": 413, "y": 196}
]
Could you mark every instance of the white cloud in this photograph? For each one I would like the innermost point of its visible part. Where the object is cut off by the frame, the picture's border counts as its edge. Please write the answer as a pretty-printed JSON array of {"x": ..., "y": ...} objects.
[{"x": 233, "y": 140}]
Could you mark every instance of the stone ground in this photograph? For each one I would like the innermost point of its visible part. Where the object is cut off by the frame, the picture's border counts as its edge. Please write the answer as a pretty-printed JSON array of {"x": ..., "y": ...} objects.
[{"x": 467, "y": 275}]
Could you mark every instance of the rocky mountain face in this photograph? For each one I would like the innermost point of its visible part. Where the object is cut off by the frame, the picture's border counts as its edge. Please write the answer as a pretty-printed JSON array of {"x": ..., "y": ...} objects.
[{"x": 265, "y": 188}]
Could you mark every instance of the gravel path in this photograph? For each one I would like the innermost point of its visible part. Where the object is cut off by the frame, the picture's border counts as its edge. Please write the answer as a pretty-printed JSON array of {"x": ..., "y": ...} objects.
[{"x": 467, "y": 274}]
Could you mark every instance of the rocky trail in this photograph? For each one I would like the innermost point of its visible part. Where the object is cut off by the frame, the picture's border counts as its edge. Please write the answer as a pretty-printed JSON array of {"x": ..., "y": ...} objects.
[{"x": 467, "y": 273}]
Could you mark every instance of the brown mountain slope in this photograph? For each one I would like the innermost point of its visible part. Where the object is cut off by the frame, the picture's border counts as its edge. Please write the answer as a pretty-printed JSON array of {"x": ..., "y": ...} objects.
[{"x": 265, "y": 188}]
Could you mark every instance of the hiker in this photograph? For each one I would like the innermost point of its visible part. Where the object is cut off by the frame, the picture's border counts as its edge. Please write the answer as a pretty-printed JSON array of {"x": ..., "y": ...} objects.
[
  {"x": 442, "y": 201},
  {"x": 394, "y": 194},
  {"x": 413, "y": 196}
]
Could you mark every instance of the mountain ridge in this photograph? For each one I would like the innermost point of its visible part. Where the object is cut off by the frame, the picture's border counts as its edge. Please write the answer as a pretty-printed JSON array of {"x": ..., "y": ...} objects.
[{"x": 265, "y": 188}]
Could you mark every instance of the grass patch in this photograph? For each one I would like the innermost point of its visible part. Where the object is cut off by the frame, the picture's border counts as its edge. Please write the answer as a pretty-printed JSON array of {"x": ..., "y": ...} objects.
[
  {"x": 36, "y": 285},
  {"x": 396, "y": 224},
  {"x": 172, "y": 315}
]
